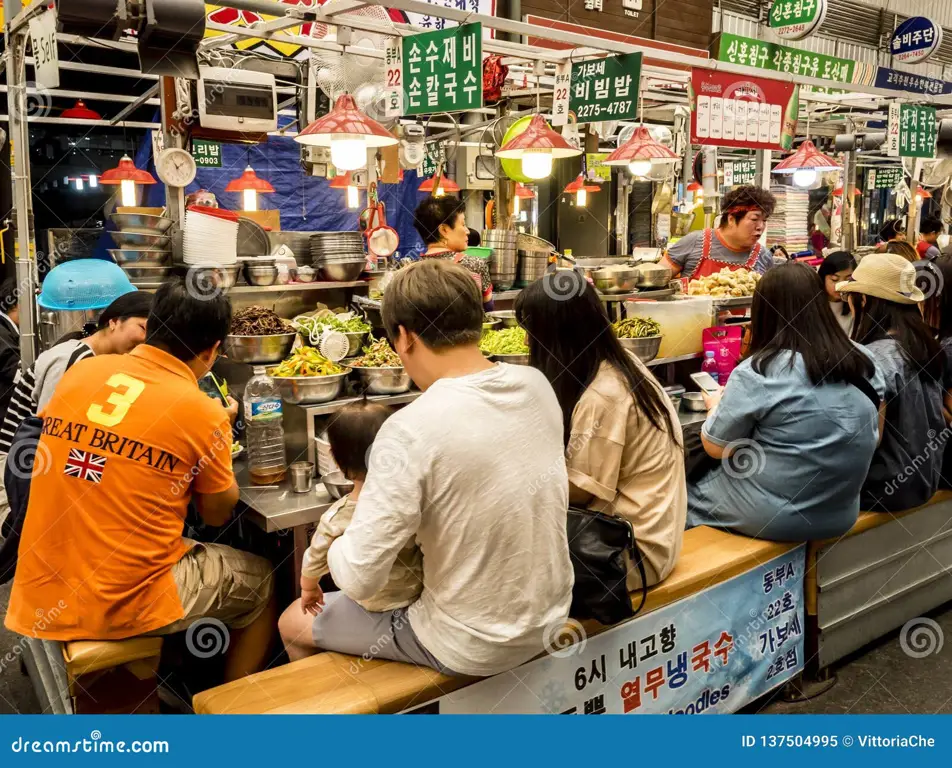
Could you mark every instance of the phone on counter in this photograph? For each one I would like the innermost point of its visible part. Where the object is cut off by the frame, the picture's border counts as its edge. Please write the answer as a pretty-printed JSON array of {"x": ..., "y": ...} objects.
[{"x": 706, "y": 382}]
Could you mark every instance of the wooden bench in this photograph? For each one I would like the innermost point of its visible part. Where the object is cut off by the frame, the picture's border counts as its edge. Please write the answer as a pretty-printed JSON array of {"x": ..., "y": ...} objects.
[
  {"x": 889, "y": 568},
  {"x": 335, "y": 683}
]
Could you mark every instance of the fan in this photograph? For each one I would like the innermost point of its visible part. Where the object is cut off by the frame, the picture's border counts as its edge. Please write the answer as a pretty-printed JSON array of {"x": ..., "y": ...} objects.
[
  {"x": 490, "y": 139},
  {"x": 937, "y": 173},
  {"x": 660, "y": 133}
]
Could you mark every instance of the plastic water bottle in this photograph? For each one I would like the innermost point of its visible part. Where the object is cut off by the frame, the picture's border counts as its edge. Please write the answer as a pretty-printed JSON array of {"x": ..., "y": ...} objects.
[
  {"x": 710, "y": 365},
  {"x": 264, "y": 425}
]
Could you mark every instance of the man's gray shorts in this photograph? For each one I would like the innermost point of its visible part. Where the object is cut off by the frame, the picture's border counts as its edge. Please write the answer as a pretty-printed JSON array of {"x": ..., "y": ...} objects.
[{"x": 345, "y": 627}]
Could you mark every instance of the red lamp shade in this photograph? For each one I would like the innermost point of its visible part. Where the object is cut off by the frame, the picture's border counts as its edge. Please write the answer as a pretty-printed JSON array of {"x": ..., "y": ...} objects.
[
  {"x": 79, "y": 111},
  {"x": 579, "y": 185},
  {"x": 695, "y": 187},
  {"x": 925, "y": 194},
  {"x": 249, "y": 180},
  {"x": 838, "y": 192},
  {"x": 447, "y": 185},
  {"x": 126, "y": 171},
  {"x": 524, "y": 192},
  {"x": 537, "y": 135},
  {"x": 806, "y": 157},
  {"x": 640, "y": 147},
  {"x": 345, "y": 121},
  {"x": 342, "y": 181}
]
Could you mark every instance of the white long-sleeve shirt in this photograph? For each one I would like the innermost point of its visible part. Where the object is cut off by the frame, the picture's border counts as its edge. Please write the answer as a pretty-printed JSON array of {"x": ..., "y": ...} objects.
[{"x": 475, "y": 470}]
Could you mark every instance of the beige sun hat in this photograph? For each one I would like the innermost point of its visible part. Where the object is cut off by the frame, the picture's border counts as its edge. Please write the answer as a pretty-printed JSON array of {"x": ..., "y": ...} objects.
[{"x": 886, "y": 276}]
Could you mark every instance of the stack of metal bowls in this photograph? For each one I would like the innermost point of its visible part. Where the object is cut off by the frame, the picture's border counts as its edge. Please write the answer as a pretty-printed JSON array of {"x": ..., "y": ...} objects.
[
  {"x": 338, "y": 256},
  {"x": 534, "y": 256},
  {"x": 502, "y": 264},
  {"x": 143, "y": 247}
]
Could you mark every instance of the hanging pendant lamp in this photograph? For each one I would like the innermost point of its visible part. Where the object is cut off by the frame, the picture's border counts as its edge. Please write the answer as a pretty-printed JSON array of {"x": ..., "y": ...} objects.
[
  {"x": 348, "y": 132},
  {"x": 640, "y": 152},
  {"x": 537, "y": 147},
  {"x": 127, "y": 176},
  {"x": 251, "y": 185}
]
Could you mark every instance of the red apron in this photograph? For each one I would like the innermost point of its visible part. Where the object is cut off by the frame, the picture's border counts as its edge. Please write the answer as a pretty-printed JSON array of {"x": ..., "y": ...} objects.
[{"x": 709, "y": 266}]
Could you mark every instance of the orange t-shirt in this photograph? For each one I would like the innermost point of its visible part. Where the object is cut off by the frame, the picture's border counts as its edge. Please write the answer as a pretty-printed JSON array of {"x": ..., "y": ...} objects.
[{"x": 126, "y": 440}]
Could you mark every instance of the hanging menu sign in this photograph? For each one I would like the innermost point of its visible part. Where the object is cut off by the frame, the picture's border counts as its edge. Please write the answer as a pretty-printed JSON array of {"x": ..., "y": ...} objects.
[
  {"x": 915, "y": 40},
  {"x": 434, "y": 154},
  {"x": 443, "y": 70},
  {"x": 782, "y": 58},
  {"x": 605, "y": 89},
  {"x": 740, "y": 172},
  {"x": 796, "y": 19},
  {"x": 734, "y": 111},
  {"x": 885, "y": 178},
  {"x": 912, "y": 131}
]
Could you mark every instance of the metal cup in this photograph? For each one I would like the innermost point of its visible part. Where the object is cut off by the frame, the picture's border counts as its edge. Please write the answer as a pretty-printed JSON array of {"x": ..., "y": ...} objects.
[{"x": 302, "y": 476}]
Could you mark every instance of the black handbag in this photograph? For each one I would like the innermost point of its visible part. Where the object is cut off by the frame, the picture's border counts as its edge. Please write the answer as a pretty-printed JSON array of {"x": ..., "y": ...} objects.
[{"x": 598, "y": 543}]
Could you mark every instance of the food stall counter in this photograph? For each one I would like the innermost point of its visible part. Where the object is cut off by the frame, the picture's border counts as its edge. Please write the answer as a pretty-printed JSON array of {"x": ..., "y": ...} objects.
[{"x": 279, "y": 508}]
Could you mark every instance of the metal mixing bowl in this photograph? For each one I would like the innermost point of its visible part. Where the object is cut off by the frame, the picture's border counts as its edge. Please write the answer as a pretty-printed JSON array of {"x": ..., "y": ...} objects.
[
  {"x": 616, "y": 280},
  {"x": 259, "y": 349},
  {"x": 139, "y": 274},
  {"x": 341, "y": 271},
  {"x": 307, "y": 390},
  {"x": 208, "y": 275},
  {"x": 693, "y": 401},
  {"x": 337, "y": 485},
  {"x": 645, "y": 349},
  {"x": 140, "y": 258},
  {"x": 654, "y": 276},
  {"x": 382, "y": 381},
  {"x": 142, "y": 223},
  {"x": 511, "y": 359},
  {"x": 506, "y": 316},
  {"x": 135, "y": 240},
  {"x": 492, "y": 325},
  {"x": 305, "y": 274},
  {"x": 261, "y": 276}
]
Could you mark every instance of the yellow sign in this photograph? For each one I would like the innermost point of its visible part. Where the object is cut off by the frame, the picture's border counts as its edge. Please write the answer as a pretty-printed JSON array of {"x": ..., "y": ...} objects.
[
  {"x": 593, "y": 162},
  {"x": 233, "y": 17}
]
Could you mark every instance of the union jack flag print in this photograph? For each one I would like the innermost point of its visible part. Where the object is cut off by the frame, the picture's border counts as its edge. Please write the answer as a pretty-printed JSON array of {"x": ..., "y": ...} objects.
[{"x": 85, "y": 465}]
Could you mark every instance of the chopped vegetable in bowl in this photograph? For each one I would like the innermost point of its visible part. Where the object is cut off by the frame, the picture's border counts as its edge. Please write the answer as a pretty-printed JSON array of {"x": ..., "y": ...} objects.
[
  {"x": 313, "y": 326},
  {"x": 508, "y": 341},
  {"x": 379, "y": 354},
  {"x": 306, "y": 361},
  {"x": 636, "y": 328}
]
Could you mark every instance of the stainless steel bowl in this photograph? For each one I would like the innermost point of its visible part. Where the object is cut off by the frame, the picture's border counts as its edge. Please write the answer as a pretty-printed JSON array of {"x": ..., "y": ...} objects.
[
  {"x": 645, "y": 349},
  {"x": 357, "y": 341},
  {"x": 305, "y": 274},
  {"x": 588, "y": 267},
  {"x": 382, "y": 381},
  {"x": 654, "y": 276},
  {"x": 211, "y": 276},
  {"x": 140, "y": 258},
  {"x": 261, "y": 276},
  {"x": 134, "y": 240},
  {"x": 511, "y": 359},
  {"x": 337, "y": 485},
  {"x": 142, "y": 223},
  {"x": 616, "y": 280},
  {"x": 693, "y": 401},
  {"x": 506, "y": 316},
  {"x": 492, "y": 325},
  {"x": 139, "y": 274},
  {"x": 259, "y": 349},
  {"x": 307, "y": 390},
  {"x": 341, "y": 271}
]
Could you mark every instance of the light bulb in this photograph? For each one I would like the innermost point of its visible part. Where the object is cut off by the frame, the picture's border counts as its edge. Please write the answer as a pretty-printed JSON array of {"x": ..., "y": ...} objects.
[
  {"x": 515, "y": 204},
  {"x": 439, "y": 191},
  {"x": 581, "y": 197},
  {"x": 128, "y": 192},
  {"x": 353, "y": 197},
  {"x": 93, "y": 182},
  {"x": 348, "y": 154},
  {"x": 537, "y": 164},
  {"x": 639, "y": 167},
  {"x": 918, "y": 199},
  {"x": 804, "y": 177},
  {"x": 79, "y": 183},
  {"x": 250, "y": 200}
]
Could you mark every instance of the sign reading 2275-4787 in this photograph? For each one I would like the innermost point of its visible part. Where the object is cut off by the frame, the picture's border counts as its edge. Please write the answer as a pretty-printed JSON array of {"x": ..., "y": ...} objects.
[
  {"x": 604, "y": 89},
  {"x": 443, "y": 70}
]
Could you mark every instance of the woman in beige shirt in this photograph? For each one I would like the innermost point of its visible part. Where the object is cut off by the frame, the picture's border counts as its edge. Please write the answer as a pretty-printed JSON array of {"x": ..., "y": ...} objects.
[{"x": 624, "y": 447}]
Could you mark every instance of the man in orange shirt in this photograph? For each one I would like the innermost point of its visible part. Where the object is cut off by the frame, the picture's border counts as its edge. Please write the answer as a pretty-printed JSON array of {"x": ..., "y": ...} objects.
[{"x": 127, "y": 441}]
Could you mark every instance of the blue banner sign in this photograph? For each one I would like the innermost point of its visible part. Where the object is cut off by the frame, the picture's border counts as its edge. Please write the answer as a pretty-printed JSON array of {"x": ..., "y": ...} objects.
[
  {"x": 895, "y": 80},
  {"x": 714, "y": 651},
  {"x": 915, "y": 40}
]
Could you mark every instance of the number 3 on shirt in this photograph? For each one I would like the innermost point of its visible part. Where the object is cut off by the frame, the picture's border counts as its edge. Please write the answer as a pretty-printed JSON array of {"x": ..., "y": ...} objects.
[{"x": 120, "y": 401}]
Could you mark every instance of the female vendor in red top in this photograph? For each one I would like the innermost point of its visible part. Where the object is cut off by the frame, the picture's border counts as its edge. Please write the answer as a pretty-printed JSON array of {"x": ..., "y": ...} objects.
[
  {"x": 734, "y": 244},
  {"x": 442, "y": 225}
]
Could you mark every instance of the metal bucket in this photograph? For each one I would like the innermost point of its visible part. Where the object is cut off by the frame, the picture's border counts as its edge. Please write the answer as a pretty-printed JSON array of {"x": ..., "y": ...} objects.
[{"x": 532, "y": 265}]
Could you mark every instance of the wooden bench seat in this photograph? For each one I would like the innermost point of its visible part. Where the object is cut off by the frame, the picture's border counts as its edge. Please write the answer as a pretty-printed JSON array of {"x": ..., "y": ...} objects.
[
  {"x": 113, "y": 676},
  {"x": 335, "y": 683}
]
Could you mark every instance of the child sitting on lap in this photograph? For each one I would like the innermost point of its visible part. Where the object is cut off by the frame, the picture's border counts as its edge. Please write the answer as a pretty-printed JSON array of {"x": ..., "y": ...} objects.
[{"x": 351, "y": 433}]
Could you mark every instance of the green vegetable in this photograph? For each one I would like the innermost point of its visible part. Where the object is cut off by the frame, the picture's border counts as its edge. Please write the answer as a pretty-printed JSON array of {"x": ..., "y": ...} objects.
[
  {"x": 636, "y": 328},
  {"x": 378, "y": 355},
  {"x": 306, "y": 361},
  {"x": 508, "y": 341},
  {"x": 313, "y": 326}
]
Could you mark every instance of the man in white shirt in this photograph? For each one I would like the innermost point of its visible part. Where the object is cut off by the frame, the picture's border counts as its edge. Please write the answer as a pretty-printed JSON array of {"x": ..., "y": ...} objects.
[{"x": 474, "y": 470}]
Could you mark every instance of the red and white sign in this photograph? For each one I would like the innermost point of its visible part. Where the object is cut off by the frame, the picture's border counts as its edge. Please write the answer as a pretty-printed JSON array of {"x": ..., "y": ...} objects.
[{"x": 731, "y": 110}]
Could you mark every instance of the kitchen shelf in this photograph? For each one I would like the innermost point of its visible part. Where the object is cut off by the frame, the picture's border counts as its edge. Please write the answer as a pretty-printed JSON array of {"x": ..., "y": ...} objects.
[
  {"x": 679, "y": 359},
  {"x": 324, "y": 409},
  {"x": 315, "y": 286}
]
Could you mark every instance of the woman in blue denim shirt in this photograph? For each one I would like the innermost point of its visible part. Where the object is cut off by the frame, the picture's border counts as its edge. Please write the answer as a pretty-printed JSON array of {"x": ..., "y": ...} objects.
[{"x": 801, "y": 406}]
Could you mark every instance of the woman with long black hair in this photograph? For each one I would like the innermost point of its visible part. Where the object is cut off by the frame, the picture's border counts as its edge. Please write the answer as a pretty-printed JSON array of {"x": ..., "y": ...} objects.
[
  {"x": 906, "y": 468},
  {"x": 837, "y": 268},
  {"x": 622, "y": 436},
  {"x": 801, "y": 406}
]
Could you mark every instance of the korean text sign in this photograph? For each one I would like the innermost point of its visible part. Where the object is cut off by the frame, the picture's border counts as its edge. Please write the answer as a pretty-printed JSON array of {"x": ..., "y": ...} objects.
[
  {"x": 781, "y": 58},
  {"x": 740, "y": 172},
  {"x": 714, "y": 651},
  {"x": 796, "y": 19},
  {"x": 443, "y": 70},
  {"x": 735, "y": 111},
  {"x": 915, "y": 40},
  {"x": 207, "y": 154},
  {"x": 912, "y": 131},
  {"x": 885, "y": 178},
  {"x": 605, "y": 89}
]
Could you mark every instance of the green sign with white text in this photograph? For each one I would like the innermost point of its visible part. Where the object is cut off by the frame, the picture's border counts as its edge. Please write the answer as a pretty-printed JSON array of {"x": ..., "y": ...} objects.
[
  {"x": 207, "y": 154},
  {"x": 606, "y": 89},
  {"x": 885, "y": 178},
  {"x": 912, "y": 131},
  {"x": 443, "y": 70},
  {"x": 796, "y": 19},
  {"x": 781, "y": 58}
]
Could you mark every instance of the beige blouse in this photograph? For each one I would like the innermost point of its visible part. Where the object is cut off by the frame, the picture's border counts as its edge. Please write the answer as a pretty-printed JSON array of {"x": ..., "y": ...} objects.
[{"x": 631, "y": 468}]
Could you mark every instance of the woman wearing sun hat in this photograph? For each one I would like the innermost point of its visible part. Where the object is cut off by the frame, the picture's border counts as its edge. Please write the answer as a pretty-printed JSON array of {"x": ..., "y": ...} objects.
[{"x": 907, "y": 464}]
